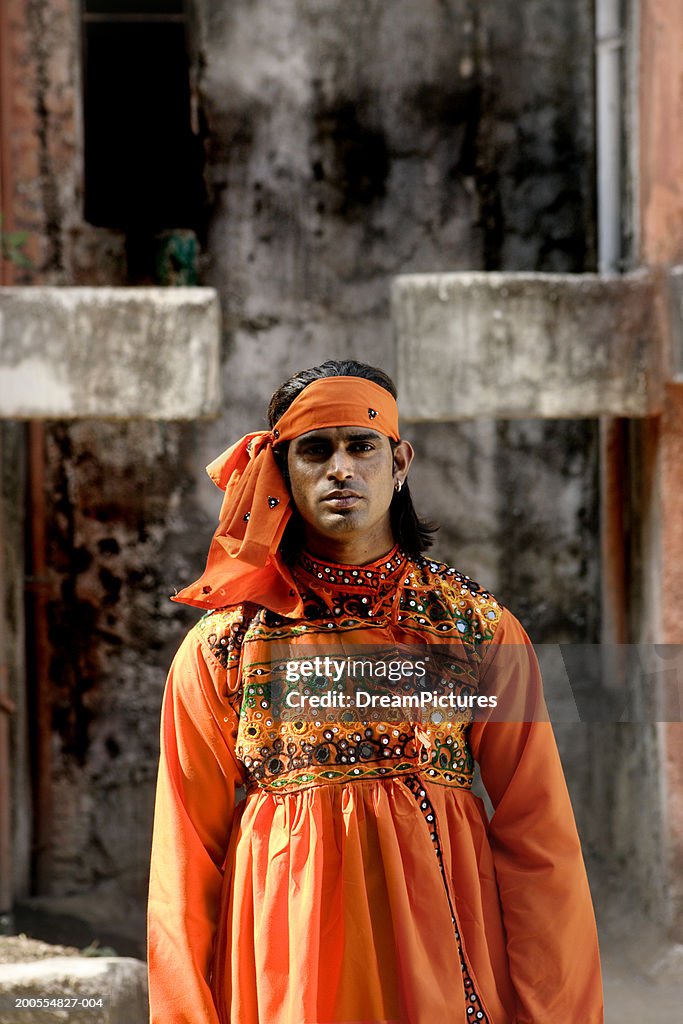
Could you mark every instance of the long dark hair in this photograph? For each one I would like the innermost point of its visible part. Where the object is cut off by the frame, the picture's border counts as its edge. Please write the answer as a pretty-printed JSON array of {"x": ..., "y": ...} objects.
[{"x": 412, "y": 533}]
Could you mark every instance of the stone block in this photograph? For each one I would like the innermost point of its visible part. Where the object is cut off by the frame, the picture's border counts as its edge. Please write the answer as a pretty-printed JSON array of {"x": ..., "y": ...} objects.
[
  {"x": 527, "y": 345},
  {"x": 109, "y": 353},
  {"x": 30, "y": 993}
]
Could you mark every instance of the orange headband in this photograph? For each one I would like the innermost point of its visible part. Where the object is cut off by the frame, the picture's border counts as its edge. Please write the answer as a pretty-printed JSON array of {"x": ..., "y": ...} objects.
[{"x": 243, "y": 562}]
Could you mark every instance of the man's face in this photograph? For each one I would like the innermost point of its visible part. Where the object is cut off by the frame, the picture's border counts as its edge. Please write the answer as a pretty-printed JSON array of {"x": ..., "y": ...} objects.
[{"x": 342, "y": 484}]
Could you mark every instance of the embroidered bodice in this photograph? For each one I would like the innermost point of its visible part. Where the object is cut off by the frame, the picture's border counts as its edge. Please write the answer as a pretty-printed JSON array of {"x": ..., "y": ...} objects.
[{"x": 393, "y": 600}]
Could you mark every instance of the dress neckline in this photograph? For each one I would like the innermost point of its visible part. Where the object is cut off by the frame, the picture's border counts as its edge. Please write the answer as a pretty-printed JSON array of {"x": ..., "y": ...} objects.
[{"x": 373, "y": 575}]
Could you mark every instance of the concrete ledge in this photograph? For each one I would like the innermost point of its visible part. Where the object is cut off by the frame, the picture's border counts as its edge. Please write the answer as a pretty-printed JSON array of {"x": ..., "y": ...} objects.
[
  {"x": 527, "y": 345},
  {"x": 119, "y": 982},
  {"x": 116, "y": 353}
]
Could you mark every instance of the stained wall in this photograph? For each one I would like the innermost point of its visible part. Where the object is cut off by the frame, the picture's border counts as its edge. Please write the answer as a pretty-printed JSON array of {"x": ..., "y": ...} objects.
[{"x": 345, "y": 142}]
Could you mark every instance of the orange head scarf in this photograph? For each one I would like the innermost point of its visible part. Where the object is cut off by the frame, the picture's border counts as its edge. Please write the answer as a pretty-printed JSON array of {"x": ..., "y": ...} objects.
[{"x": 244, "y": 563}]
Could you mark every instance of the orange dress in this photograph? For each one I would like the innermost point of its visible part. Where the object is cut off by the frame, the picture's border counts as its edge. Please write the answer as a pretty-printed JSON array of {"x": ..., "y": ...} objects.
[{"x": 360, "y": 880}]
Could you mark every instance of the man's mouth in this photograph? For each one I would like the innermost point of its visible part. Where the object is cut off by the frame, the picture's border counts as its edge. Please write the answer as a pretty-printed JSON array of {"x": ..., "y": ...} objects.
[{"x": 341, "y": 499}]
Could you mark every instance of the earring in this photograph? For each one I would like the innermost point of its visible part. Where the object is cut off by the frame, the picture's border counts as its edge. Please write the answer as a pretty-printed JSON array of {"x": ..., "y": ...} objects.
[{"x": 398, "y": 485}]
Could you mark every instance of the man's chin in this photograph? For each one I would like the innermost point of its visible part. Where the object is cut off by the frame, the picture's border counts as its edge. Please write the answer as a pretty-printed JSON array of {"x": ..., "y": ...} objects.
[{"x": 340, "y": 521}]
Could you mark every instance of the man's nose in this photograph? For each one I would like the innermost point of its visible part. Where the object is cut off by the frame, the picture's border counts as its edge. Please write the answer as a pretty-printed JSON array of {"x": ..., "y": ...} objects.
[{"x": 340, "y": 464}]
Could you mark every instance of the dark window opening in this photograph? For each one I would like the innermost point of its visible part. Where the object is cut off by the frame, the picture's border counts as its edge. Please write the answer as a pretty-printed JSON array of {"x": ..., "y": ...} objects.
[{"x": 143, "y": 160}]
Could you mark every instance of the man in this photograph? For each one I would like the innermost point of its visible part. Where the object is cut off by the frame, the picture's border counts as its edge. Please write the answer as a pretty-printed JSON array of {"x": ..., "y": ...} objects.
[{"x": 360, "y": 880}]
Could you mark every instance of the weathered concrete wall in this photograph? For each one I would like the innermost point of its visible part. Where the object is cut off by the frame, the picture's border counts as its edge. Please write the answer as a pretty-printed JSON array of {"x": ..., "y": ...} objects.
[
  {"x": 122, "y": 529},
  {"x": 346, "y": 142},
  {"x": 487, "y": 147},
  {"x": 115, "y": 353}
]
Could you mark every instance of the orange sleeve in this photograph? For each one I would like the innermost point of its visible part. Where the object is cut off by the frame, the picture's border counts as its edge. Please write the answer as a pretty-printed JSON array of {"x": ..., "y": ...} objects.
[
  {"x": 193, "y": 816},
  {"x": 552, "y": 941}
]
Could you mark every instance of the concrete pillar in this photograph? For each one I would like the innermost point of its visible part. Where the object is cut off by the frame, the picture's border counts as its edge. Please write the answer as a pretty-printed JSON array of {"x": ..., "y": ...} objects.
[
  {"x": 671, "y": 600},
  {"x": 15, "y": 786},
  {"x": 7, "y": 709}
]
